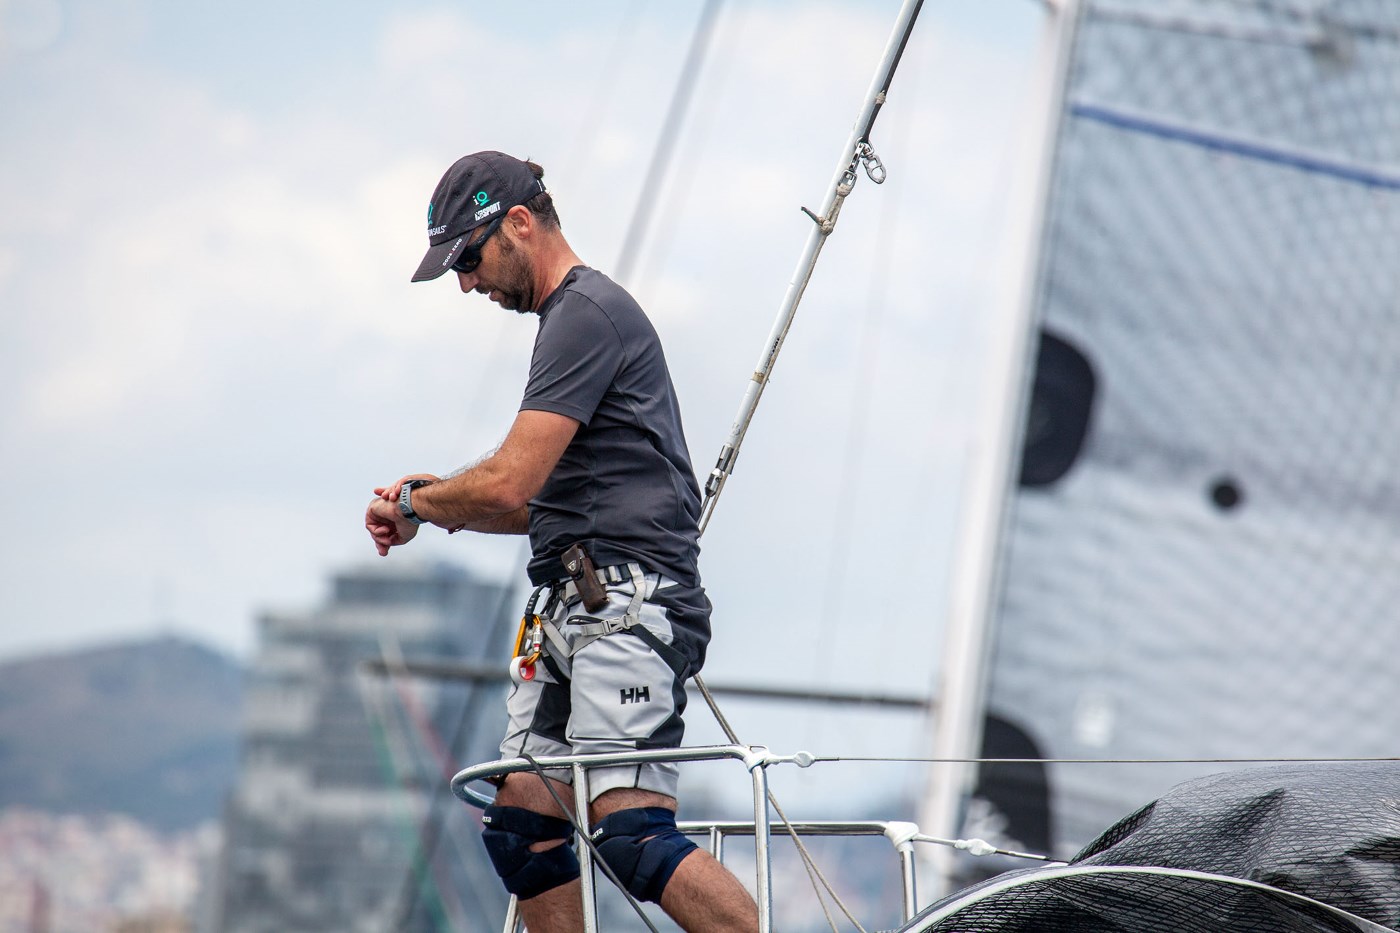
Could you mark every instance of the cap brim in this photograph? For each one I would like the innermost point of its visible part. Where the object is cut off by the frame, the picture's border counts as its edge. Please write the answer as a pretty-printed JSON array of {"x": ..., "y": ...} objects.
[{"x": 439, "y": 259}]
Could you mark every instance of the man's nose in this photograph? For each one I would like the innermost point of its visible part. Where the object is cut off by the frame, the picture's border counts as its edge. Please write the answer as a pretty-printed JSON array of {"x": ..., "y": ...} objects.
[{"x": 467, "y": 280}]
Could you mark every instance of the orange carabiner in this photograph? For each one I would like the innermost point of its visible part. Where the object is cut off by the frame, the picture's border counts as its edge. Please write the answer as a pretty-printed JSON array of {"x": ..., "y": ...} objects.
[
  {"x": 520, "y": 635},
  {"x": 522, "y": 664}
]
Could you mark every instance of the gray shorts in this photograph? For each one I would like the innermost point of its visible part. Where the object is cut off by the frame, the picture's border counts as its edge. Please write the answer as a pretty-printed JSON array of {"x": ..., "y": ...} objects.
[{"x": 616, "y": 692}]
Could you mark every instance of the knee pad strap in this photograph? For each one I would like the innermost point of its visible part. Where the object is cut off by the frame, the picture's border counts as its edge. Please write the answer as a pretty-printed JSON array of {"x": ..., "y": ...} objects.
[
  {"x": 508, "y": 834},
  {"x": 643, "y": 847}
]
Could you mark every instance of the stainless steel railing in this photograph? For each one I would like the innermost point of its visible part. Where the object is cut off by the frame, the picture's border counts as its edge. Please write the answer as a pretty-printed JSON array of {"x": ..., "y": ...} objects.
[{"x": 756, "y": 760}]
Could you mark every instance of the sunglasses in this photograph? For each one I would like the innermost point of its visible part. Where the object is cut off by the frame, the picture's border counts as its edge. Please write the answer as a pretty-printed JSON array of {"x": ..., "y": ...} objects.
[{"x": 471, "y": 253}]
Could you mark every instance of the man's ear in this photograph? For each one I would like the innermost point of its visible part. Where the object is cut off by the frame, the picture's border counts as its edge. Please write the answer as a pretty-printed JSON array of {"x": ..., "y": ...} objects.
[{"x": 521, "y": 221}]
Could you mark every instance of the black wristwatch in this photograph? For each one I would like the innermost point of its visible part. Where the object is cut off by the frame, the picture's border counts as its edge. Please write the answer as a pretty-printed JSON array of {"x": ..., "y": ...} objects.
[{"x": 405, "y": 505}]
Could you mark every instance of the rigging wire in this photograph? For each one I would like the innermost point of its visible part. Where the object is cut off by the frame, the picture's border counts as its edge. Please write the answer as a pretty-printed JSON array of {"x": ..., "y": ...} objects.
[
  {"x": 858, "y": 152},
  {"x": 1100, "y": 761},
  {"x": 391, "y": 652},
  {"x": 813, "y": 872},
  {"x": 431, "y": 828},
  {"x": 391, "y": 750},
  {"x": 587, "y": 840},
  {"x": 844, "y": 502},
  {"x": 700, "y": 133},
  {"x": 670, "y": 132},
  {"x": 583, "y": 161},
  {"x": 807, "y": 860}
]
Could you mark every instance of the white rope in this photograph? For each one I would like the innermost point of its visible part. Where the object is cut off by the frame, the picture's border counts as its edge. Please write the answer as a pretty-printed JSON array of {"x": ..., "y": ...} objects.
[{"x": 807, "y": 861}]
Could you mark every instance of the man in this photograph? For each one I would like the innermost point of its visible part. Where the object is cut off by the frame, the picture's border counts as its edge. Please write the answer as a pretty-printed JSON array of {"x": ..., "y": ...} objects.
[{"x": 597, "y": 458}]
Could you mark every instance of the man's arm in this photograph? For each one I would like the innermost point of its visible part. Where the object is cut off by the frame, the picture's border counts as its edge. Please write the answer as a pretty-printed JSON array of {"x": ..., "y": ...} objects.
[
  {"x": 493, "y": 495},
  {"x": 504, "y": 483},
  {"x": 511, "y": 523}
]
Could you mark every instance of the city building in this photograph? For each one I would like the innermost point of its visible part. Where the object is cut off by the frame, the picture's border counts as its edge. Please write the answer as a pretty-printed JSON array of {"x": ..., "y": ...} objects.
[{"x": 341, "y": 818}]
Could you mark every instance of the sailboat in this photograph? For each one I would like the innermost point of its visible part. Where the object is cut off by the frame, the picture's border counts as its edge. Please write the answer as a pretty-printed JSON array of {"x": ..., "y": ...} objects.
[{"x": 1183, "y": 556}]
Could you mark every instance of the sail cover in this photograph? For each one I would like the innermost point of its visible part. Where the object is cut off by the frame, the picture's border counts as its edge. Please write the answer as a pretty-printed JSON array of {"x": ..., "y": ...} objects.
[
  {"x": 1202, "y": 555},
  {"x": 1288, "y": 849}
]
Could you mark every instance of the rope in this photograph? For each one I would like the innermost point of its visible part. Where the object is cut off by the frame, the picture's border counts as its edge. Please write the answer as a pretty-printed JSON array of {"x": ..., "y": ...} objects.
[
  {"x": 807, "y": 860},
  {"x": 812, "y": 869}
]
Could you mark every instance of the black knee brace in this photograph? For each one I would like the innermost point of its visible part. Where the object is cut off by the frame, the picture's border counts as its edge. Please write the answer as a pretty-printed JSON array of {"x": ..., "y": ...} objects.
[
  {"x": 643, "y": 847},
  {"x": 510, "y": 831}
]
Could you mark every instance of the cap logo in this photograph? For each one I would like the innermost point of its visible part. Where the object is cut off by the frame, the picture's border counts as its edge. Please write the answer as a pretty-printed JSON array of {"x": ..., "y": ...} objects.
[
  {"x": 487, "y": 211},
  {"x": 481, "y": 198},
  {"x": 453, "y": 251}
]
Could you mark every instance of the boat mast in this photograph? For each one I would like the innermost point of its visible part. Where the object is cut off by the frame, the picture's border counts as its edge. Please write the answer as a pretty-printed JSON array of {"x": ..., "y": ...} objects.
[{"x": 959, "y": 710}]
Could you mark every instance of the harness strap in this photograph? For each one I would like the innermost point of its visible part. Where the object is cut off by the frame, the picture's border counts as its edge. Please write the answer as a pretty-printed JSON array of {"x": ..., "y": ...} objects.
[
  {"x": 587, "y": 632},
  {"x": 555, "y": 639}
]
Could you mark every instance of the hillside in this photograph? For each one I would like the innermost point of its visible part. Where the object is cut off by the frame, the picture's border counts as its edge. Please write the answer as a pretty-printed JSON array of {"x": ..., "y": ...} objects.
[{"x": 148, "y": 729}]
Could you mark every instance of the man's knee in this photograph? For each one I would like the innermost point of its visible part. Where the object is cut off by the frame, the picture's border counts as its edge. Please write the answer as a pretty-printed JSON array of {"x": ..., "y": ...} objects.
[
  {"x": 510, "y": 832},
  {"x": 643, "y": 847}
]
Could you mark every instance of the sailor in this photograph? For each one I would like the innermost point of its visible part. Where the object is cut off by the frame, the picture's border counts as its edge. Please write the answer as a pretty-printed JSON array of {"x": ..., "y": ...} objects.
[{"x": 595, "y": 466}]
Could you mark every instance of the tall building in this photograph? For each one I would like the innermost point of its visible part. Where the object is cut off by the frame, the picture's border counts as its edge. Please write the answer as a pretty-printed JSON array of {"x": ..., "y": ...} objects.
[{"x": 341, "y": 818}]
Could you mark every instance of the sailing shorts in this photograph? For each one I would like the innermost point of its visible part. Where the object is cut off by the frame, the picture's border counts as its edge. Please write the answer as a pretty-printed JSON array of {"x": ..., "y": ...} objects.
[{"x": 616, "y": 692}]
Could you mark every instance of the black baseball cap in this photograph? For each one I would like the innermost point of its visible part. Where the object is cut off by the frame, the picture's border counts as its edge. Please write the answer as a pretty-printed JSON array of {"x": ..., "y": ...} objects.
[{"x": 476, "y": 190}]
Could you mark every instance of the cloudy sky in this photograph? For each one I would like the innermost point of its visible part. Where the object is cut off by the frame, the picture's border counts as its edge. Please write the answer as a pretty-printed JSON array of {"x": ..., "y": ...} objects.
[{"x": 212, "y": 352}]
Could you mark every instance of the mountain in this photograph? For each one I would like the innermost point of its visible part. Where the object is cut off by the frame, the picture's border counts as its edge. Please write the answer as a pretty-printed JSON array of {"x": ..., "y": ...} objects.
[{"x": 147, "y": 728}]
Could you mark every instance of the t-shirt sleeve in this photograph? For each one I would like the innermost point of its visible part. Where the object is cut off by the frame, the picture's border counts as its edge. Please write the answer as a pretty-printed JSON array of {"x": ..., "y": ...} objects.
[{"x": 578, "y": 353}]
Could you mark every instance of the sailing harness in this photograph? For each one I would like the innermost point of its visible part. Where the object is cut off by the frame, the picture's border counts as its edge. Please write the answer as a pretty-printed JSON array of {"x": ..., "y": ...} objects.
[{"x": 538, "y": 627}]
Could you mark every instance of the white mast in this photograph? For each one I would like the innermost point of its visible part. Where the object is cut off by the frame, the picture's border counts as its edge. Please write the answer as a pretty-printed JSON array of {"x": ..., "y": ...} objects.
[{"x": 957, "y": 722}]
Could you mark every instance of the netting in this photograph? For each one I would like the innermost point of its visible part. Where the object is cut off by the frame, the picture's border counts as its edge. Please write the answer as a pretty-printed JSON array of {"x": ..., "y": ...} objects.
[
  {"x": 1216, "y": 571},
  {"x": 1324, "y": 840}
]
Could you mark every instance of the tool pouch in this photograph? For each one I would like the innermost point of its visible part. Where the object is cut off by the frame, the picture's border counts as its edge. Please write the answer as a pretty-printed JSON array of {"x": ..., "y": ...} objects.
[{"x": 579, "y": 566}]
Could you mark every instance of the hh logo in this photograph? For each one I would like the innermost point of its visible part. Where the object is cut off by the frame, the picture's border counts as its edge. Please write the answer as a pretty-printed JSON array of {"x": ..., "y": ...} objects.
[{"x": 636, "y": 694}]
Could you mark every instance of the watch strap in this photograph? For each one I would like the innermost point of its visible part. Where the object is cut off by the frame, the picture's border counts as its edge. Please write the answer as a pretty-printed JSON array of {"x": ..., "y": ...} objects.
[{"x": 406, "y": 502}]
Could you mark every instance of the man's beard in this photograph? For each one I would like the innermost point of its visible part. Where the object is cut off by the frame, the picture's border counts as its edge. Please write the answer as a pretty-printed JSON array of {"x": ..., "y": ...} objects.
[{"x": 516, "y": 279}]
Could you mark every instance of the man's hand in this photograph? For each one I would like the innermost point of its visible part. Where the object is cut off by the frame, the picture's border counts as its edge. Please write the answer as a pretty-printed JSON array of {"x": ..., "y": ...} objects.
[{"x": 386, "y": 524}]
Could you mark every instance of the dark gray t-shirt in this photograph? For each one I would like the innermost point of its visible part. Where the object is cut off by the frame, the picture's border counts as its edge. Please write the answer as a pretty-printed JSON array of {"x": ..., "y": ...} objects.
[{"x": 624, "y": 487}]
